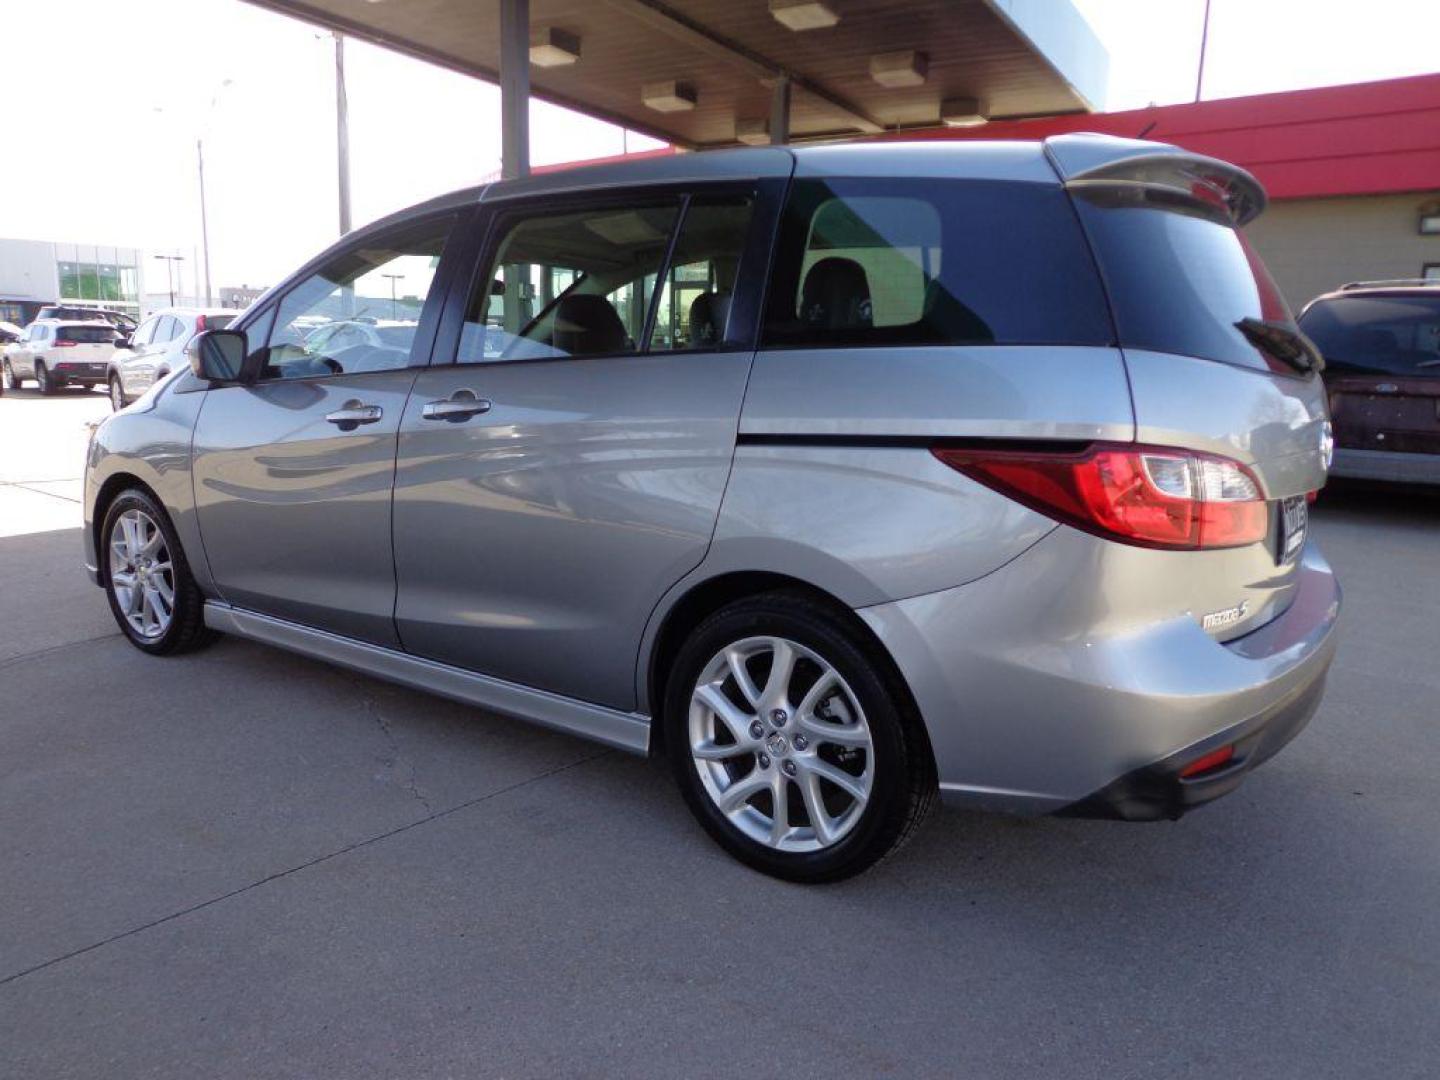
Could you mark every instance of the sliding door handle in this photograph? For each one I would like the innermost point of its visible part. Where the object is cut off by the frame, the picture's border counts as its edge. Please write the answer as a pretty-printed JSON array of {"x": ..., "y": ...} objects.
[{"x": 459, "y": 406}]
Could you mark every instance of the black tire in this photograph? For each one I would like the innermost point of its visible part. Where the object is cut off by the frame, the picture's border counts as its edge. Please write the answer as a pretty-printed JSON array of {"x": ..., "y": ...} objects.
[
  {"x": 8, "y": 376},
  {"x": 116, "y": 391},
  {"x": 186, "y": 630},
  {"x": 903, "y": 786},
  {"x": 43, "y": 382}
]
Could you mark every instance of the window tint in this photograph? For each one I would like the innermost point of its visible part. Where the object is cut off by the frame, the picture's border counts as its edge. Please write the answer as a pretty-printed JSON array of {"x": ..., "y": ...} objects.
[
  {"x": 1180, "y": 276},
  {"x": 569, "y": 284},
  {"x": 694, "y": 309},
  {"x": 145, "y": 334},
  {"x": 168, "y": 330},
  {"x": 926, "y": 262},
  {"x": 1392, "y": 335},
  {"x": 87, "y": 335},
  {"x": 331, "y": 323}
]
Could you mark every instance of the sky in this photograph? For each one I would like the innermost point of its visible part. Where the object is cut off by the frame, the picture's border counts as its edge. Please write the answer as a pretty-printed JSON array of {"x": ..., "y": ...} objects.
[{"x": 146, "y": 79}]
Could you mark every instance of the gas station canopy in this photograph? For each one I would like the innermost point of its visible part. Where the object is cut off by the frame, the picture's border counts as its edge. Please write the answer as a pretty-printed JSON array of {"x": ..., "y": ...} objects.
[{"x": 701, "y": 73}]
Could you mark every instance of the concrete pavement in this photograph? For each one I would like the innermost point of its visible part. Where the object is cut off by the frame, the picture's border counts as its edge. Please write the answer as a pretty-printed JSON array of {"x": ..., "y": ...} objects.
[{"x": 246, "y": 864}]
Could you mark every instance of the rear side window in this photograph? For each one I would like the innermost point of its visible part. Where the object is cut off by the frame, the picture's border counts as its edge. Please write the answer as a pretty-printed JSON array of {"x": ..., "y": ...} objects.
[
  {"x": 932, "y": 262},
  {"x": 1391, "y": 335},
  {"x": 87, "y": 335},
  {"x": 1180, "y": 276}
]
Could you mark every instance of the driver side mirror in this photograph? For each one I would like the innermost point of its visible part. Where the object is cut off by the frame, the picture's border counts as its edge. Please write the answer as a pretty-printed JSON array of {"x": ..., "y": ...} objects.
[{"x": 219, "y": 356}]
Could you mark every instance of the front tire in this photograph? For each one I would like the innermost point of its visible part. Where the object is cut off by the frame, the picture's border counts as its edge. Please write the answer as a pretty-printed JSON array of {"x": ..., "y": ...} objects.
[
  {"x": 117, "y": 394},
  {"x": 152, "y": 593},
  {"x": 793, "y": 743},
  {"x": 44, "y": 382}
]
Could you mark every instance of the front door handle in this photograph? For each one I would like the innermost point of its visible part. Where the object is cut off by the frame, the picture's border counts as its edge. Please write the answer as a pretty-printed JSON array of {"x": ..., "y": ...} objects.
[
  {"x": 458, "y": 407},
  {"x": 353, "y": 415}
]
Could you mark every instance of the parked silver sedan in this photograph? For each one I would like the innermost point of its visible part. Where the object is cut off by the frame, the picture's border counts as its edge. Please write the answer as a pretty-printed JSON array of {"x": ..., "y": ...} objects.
[
  {"x": 843, "y": 477},
  {"x": 156, "y": 348}
]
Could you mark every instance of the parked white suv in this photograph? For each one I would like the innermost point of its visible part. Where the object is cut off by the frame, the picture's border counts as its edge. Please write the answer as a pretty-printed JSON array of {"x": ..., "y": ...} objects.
[
  {"x": 60, "y": 352},
  {"x": 157, "y": 348}
]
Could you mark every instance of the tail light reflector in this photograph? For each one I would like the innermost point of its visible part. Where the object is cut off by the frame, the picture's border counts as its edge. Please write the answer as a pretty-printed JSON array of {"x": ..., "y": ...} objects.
[
  {"x": 1206, "y": 762},
  {"x": 65, "y": 343},
  {"x": 1149, "y": 496}
]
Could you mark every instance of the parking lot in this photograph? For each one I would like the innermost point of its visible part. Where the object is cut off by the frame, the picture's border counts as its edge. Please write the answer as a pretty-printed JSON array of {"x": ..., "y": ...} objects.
[{"x": 248, "y": 864}]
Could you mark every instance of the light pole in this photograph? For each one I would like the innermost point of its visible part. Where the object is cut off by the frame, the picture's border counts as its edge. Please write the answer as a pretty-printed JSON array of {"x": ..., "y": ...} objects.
[
  {"x": 170, "y": 261},
  {"x": 393, "y": 278}
]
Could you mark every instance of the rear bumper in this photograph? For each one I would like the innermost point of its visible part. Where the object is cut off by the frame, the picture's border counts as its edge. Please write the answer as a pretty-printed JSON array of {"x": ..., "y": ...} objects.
[
  {"x": 1385, "y": 465},
  {"x": 1030, "y": 715}
]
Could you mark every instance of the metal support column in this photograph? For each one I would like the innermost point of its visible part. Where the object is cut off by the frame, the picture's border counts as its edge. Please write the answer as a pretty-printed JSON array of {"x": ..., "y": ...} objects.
[
  {"x": 514, "y": 88},
  {"x": 342, "y": 133},
  {"x": 780, "y": 112}
]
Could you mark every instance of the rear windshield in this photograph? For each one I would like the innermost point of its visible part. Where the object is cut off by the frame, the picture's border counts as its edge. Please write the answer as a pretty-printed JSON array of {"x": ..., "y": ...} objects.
[
  {"x": 1180, "y": 277},
  {"x": 86, "y": 335},
  {"x": 865, "y": 262},
  {"x": 1390, "y": 335},
  {"x": 218, "y": 322}
]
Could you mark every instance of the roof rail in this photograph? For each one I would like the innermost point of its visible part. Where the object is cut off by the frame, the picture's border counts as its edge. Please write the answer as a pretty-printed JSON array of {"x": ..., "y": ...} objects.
[{"x": 1389, "y": 282}]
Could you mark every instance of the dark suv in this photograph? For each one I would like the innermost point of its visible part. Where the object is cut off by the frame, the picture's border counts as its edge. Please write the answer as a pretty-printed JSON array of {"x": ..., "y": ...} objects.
[{"x": 1381, "y": 342}]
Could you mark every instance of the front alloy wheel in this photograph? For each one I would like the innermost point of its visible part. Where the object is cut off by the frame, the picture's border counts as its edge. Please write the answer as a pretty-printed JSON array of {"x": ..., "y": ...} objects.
[
  {"x": 152, "y": 594},
  {"x": 142, "y": 576},
  {"x": 117, "y": 394}
]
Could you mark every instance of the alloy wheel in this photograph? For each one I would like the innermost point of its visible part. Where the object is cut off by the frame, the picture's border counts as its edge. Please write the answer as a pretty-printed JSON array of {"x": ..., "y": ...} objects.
[
  {"x": 142, "y": 576},
  {"x": 11, "y": 383},
  {"x": 781, "y": 744}
]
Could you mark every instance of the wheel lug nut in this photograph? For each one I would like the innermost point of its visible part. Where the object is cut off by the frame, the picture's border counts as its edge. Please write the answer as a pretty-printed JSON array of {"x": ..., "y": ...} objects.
[
  {"x": 757, "y": 729},
  {"x": 800, "y": 742},
  {"x": 777, "y": 717},
  {"x": 789, "y": 767},
  {"x": 764, "y": 761}
]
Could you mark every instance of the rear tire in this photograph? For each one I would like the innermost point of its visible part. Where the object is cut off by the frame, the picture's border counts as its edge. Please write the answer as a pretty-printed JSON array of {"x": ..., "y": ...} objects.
[
  {"x": 832, "y": 742},
  {"x": 43, "y": 380},
  {"x": 8, "y": 375},
  {"x": 152, "y": 593}
]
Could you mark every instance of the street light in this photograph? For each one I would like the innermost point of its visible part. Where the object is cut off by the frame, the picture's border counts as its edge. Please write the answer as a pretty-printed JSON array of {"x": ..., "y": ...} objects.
[
  {"x": 393, "y": 278},
  {"x": 170, "y": 261}
]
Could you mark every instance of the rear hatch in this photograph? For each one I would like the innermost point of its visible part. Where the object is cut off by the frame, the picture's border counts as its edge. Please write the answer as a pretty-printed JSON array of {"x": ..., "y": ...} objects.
[
  {"x": 1382, "y": 367},
  {"x": 1216, "y": 363},
  {"x": 82, "y": 349}
]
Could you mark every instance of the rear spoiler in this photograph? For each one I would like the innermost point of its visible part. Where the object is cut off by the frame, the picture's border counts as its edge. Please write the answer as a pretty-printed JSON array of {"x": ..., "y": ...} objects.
[{"x": 1158, "y": 169}]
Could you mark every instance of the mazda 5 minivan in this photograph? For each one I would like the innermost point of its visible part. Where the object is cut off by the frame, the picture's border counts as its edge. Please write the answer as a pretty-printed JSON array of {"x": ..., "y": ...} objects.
[{"x": 842, "y": 477}]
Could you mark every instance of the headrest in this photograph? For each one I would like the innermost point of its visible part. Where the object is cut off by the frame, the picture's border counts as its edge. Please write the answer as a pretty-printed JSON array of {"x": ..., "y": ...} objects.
[
  {"x": 587, "y": 324},
  {"x": 709, "y": 313}
]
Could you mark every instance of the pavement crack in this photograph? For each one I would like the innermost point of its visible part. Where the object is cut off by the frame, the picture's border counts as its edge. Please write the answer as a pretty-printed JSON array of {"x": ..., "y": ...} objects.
[
  {"x": 435, "y": 816},
  {"x": 398, "y": 762},
  {"x": 11, "y": 661}
]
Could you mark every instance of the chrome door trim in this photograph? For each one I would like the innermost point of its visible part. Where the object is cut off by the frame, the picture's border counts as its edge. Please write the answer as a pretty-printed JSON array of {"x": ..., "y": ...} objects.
[{"x": 621, "y": 730}]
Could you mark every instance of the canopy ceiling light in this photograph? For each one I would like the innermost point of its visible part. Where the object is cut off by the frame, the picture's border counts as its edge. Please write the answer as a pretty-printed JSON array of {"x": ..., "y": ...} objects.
[
  {"x": 804, "y": 14},
  {"x": 963, "y": 112},
  {"x": 899, "y": 69},
  {"x": 553, "y": 47},
  {"x": 752, "y": 132},
  {"x": 669, "y": 97}
]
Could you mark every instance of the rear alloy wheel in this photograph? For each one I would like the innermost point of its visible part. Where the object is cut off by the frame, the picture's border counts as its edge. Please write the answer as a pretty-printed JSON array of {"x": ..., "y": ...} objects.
[
  {"x": 790, "y": 743},
  {"x": 11, "y": 382},
  {"x": 43, "y": 382},
  {"x": 117, "y": 394},
  {"x": 152, "y": 594}
]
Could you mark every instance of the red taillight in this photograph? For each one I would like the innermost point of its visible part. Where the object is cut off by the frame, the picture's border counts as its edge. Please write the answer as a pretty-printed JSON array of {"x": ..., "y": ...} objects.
[
  {"x": 199, "y": 323},
  {"x": 1207, "y": 762},
  {"x": 1146, "y": 495}
]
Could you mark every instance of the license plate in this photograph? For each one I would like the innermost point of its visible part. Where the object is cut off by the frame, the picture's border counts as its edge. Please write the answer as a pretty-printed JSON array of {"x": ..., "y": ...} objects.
[{"x": 1294, "y": 519}]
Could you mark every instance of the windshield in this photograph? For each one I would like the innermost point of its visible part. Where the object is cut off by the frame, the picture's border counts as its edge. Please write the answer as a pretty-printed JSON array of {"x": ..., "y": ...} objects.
[
  {"x": 1183, "y": 279},
  {"x": 1389, "y": 335}
]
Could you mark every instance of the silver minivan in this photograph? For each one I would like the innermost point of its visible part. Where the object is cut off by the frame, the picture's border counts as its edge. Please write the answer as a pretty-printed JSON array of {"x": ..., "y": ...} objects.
[{"x": 842, "y": 477}]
